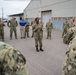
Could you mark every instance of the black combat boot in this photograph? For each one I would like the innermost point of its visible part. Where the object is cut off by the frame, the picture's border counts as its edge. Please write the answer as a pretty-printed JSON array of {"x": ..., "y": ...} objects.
[
  {"x": 37, "y": 49},
  {"x": 10, "y": 37},
  {"x": 41, "y": 49},
  {"x": 3, "y": 40},
  {"x": 16, "y": 38},
  {"x": 50, "y": 38},
  {"x": 31, "y": 36},
  {"x": 47, "y": 38},
  {"x": 21, "y": 38}
]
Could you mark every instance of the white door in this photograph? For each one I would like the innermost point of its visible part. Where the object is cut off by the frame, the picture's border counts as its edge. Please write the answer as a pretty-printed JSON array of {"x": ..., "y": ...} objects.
[{"x": 46, "y": 16}]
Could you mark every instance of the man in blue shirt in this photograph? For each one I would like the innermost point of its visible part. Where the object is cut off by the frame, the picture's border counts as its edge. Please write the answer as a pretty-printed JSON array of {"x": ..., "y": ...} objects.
[{"x": 22, "y": 27}]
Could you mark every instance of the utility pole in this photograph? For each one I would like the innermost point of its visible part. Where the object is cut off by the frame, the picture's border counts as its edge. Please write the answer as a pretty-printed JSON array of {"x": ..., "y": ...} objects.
[{"x": 2, "y": 13}]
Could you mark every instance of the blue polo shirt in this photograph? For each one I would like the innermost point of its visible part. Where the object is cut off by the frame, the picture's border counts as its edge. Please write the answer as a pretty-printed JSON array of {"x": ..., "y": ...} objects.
[{"x": 22, "y": 22}]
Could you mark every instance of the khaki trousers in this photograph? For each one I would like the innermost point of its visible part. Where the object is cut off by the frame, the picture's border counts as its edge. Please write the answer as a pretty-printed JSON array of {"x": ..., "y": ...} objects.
[{"x": 22, "y": 31}]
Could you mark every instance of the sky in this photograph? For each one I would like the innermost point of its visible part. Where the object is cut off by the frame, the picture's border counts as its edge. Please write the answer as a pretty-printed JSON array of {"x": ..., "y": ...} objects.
[{"x": 12, "y": 7}]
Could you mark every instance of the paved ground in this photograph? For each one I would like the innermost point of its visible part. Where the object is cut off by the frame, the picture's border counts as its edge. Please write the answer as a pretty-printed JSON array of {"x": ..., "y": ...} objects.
[{"x": 50, "y": 61}]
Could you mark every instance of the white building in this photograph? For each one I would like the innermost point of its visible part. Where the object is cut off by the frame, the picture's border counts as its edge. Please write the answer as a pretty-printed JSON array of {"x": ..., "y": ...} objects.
[
  {"x": 55, "y": 9},
  {"x": 17, "y": 16}
]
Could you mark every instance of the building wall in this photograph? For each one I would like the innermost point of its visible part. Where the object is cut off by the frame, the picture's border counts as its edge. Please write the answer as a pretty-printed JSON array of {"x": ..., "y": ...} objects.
[
  {"x": 32, "y": 10},
  {"x": 60, "y": 8},
  {"x": 32, "y": 13}
]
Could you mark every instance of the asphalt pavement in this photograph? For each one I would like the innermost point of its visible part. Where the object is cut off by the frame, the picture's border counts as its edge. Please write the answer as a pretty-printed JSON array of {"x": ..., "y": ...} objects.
[{"x": 50, "y": 61}]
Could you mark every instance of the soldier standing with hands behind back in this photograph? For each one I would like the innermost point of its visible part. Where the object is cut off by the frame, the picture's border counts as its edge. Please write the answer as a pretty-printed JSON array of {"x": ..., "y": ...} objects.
[
  {"x": 32, "y": 24},
  {"x": 49, "y": 27},
  {"x": 13, "y": 24},
  {"x": 27, "y": 28},
  {"x": 65, "y": 27}
]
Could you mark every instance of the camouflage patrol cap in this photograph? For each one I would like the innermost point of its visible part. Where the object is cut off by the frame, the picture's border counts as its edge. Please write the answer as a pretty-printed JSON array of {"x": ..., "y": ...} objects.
[
  {"x": 12, "y": 61},
  {"x": 4, "y": 46}
]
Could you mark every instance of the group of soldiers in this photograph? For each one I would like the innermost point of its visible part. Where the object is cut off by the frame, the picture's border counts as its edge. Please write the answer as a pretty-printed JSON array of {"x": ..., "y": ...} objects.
[
  {"x": 69, "y": 38},
  {"x": 67, "y": 25},
  {"x": 23, "y": 29},
  {"x": 69, "y": 33},
  {"x": 68, "y": 30},
  {"x": 70, "y": 62},
  {"x": 37, "y": 30}
]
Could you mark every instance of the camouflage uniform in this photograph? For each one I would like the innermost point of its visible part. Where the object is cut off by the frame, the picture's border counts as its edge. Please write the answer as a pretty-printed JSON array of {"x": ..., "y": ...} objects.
[
  {"x": 70, "y": 34},
  {"x": 2, "y": 32},
  {"x": 32, "y": 24},
  {"x": 41, "y": 24},
  {"x": 27, "y": 29},
  {"x": 12, "y": 62},
  {"x": 65, "y": 27},
  {"x": 49, "y": 27},
  {"x": 13, "y": 25},
  {"x": 72, "y": 25},
  {"x": 38, "y": 35},
  {"x": 70, "y": 64}
]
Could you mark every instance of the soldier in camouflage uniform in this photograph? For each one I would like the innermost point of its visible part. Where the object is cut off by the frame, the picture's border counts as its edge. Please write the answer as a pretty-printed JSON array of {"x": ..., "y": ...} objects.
[
  {"x": 27, "y": 28},
  {"x": 65, "y": 27},
  {"x": 71, "y": 32},
  {"x": 32, "y": 24},
  {"x": 75, "y": 21},
  {"x": 1, "y": 31},
  {"x": 12, "y": 62},
  {"x": 41, "y": 23},
  {"x": 72, "y": 23},
  {"x": 13, "y": 24},
  {"x": 38, "y": 35},
  {"x": 49, "y": 27},
  {"x": 70, "y": 64}
]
